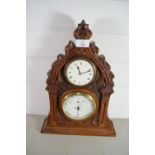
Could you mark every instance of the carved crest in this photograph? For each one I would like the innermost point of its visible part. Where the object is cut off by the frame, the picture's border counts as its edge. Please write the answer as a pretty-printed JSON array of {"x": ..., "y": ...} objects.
[{"x": 82, "y": 31}]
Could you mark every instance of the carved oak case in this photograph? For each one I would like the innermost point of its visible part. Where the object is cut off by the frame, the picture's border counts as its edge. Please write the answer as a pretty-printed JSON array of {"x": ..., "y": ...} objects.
[{"x": 99, "y": 89}]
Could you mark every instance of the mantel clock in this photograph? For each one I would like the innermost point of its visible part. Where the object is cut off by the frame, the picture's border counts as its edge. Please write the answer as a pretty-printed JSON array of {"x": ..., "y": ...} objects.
[{"x": 79, "y": 84}]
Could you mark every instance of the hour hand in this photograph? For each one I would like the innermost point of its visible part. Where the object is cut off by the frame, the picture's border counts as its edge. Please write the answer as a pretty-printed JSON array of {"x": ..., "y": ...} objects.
[{"x": 78, "y": 69}]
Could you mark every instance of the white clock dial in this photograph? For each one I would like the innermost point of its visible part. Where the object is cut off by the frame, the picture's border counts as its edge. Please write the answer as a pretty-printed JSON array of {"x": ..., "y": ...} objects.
[
  {"x": 78, "y": 106},
  {"x": 80, "y": 72}
]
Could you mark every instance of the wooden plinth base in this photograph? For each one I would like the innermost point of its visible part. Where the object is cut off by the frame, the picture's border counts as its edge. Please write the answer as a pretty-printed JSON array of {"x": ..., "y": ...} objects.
[{"x": 95, "y": 131}]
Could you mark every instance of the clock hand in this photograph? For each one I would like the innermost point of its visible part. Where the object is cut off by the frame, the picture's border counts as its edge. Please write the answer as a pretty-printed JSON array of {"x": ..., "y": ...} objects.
[
  {"x": 78, "y": 69},
  {"x": 86, "y": 71}
]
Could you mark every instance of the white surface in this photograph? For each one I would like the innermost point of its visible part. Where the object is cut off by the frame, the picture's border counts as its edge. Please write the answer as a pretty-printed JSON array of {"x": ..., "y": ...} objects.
[
  {"x": 82, "y": 43},
  {"x": 50, "y": 26},
  {"x": 55, "y": 144}
]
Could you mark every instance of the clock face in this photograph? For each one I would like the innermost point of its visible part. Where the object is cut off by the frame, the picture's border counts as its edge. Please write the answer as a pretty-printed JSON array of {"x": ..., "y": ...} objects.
[
  {"x": 80, "y": 72},
  {"x": 78, "y": 106}
]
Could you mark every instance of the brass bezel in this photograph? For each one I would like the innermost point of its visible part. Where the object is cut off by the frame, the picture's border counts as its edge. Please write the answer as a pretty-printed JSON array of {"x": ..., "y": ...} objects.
[
  {"x": 89, "y": 61},
  {"x": 91, "y": 99}
]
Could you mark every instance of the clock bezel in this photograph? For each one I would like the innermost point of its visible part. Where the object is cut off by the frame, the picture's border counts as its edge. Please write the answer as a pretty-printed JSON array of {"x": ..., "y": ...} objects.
[
  {"x": 91, "y": 96},
  {"x": 85, "y": 59}
]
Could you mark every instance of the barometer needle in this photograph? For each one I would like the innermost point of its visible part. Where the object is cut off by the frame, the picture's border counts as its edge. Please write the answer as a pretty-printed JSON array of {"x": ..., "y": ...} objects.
[{"x": 78, "y": 108}]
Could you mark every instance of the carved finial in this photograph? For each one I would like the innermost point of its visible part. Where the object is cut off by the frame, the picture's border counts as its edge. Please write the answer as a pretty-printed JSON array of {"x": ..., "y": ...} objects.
[
  {"x": 83, "y": 22},
  {"x": 82, "y": 31}
]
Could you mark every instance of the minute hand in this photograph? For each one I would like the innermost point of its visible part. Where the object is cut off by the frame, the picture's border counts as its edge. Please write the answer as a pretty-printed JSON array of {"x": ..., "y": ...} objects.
[{"x": 86, "y": 71}]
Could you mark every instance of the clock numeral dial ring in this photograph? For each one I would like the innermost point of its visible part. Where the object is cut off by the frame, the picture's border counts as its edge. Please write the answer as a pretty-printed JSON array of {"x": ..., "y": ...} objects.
[{"x": 80, "y": 72}]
